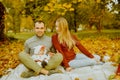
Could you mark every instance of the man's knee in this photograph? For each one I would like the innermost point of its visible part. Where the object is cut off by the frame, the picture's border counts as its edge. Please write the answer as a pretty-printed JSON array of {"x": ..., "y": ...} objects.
[
  {"x": 22, "y": 55},
  {"x": 54, "y": 61},
  {"x": 58, "y": 57}
]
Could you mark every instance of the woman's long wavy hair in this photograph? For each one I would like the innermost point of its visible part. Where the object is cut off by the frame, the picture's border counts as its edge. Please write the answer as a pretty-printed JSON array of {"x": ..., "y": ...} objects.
[{"x": 64, "y": 35}]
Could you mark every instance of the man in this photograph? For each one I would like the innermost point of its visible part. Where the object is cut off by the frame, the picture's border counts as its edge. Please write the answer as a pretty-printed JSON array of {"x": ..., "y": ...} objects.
[{"x": 38, "y": 39}]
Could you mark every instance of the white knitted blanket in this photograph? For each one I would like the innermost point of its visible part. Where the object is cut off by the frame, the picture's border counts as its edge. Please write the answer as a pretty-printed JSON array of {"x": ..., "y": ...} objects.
[{"x": 96, "y": 72}]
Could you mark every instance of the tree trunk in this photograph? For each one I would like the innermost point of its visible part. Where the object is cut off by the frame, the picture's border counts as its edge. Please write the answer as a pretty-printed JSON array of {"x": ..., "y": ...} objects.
[
  {"x": 75, "y": 18},
  {"x": 99, "y": 27},
  {"x": 2, "y": 26}
]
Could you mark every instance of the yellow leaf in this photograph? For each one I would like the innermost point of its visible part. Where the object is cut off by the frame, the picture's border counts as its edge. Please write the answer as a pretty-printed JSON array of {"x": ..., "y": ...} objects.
[
  {"x": 80, "y": 0},
  {"x": 46, "y": 8},
  {"x": 71, "y": 9}
]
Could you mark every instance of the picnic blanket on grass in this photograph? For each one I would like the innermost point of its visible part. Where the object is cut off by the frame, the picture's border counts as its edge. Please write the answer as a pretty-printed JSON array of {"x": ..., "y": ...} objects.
[{"x": 96, "y": 72}]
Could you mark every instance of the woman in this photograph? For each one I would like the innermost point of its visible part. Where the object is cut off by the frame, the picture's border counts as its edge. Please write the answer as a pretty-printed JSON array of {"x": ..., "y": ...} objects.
[
  {"x": 118, "y": 70},
  {"x": 64, "y": 42}
]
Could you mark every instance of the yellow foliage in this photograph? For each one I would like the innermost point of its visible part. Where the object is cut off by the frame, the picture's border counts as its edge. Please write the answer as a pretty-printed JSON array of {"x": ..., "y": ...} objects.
[
  {"x": 52, "y": 9},
  {"x": 98, "y": 1},
  {"x": 53, "y": 1},
  {"x": 80, "y": 0},
  {"x": 50, "y": 5},
  {"x": 25, "y": 21},
  {"x": 67, "y": 5},
  {"x": 46, "y": 8},
  {"x": 114, "y": 77},
  {"x": 103, "y": 46},
  {"x": 74, "y": 1},
  {"x": 76, "y": 78},
  {"x": 90, "y": 78},
  {"x": 9, "y": 55},
  {"x": 71, "y": 9},
  {"x": 59, "y": 5}
]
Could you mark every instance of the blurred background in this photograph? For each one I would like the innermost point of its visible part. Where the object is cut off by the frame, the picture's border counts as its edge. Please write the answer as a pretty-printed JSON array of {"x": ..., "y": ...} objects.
[{"x": 91, "y": 15}]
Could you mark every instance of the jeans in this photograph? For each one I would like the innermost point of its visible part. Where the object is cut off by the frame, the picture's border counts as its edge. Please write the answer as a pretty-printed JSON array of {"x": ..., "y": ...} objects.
[{"x": 82, "y": 60}]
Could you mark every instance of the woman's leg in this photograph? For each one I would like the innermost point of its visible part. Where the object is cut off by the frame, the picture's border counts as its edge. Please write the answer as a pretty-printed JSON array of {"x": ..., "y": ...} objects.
[
  {"x": 81, "y": 60},
  {"x": 82, "y": 63},
  {"x": 80, "y": 56}
]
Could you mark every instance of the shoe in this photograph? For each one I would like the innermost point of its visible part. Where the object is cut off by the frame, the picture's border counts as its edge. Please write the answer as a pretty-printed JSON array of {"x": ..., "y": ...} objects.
[
  {"x": 44, "y": 63},
  {"x": 27, "y": 74}
]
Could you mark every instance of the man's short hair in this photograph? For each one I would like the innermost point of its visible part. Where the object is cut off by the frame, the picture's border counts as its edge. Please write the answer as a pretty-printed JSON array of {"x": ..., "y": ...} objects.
[{"x": 39, "y": 21}]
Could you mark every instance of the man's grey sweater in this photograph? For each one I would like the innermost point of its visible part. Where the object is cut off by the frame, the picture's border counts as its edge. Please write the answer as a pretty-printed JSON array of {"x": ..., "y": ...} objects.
[{"x": 34, "y": 41}]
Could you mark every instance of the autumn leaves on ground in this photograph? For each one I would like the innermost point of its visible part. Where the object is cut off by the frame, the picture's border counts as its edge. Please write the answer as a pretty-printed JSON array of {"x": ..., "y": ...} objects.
[{"x": 102, "y": 46}]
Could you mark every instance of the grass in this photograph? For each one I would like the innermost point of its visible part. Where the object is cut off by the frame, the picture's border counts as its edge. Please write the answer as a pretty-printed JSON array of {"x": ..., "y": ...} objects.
[
  {"x": 21, "y": 36},
  {"x": 24, "y": 35},
  {"x": 94, "y": 34},
  {"x": 81, "y": 34}
]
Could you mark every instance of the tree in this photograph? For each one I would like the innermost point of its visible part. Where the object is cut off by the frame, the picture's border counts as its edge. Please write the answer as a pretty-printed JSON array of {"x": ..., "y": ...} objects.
[
  {"x": 2, "y": 26},
  {"x": 34, "y": 8},
  {"x": 77, "y": 12},
  {"x": 14, "y": 8},
  {"x": 116, "y": 11},
  {"x": 56, "y": 8},
  {"x": 94, "y": 12}
]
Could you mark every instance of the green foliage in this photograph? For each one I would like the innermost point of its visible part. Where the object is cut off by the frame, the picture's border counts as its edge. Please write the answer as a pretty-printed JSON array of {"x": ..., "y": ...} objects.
[
  {"x": 81, "y": 12},
  {"x": 26, "y": 23},
  {"x": 13, "y": 9},
  {"x": 35, "y": 7}
]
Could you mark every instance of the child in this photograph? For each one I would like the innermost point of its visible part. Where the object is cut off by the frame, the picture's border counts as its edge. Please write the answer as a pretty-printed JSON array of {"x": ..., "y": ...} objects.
[{"x": 41, "y": 57}]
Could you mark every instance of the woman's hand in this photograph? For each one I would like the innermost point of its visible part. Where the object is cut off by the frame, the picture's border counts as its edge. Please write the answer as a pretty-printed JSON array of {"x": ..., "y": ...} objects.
[
  {"x": 68, "y": 69},
  {"x": 51, "y": 54},
  {"x": 97, "y": 58}
]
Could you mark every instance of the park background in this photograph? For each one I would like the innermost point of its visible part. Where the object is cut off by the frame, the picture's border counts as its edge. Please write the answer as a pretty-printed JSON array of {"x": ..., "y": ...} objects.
[{"x": 95, "y": 22}]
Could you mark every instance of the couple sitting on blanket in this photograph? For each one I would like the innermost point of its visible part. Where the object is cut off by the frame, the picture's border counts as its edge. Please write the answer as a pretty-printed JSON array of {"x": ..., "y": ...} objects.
[{"x": 58, "y": 51}]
